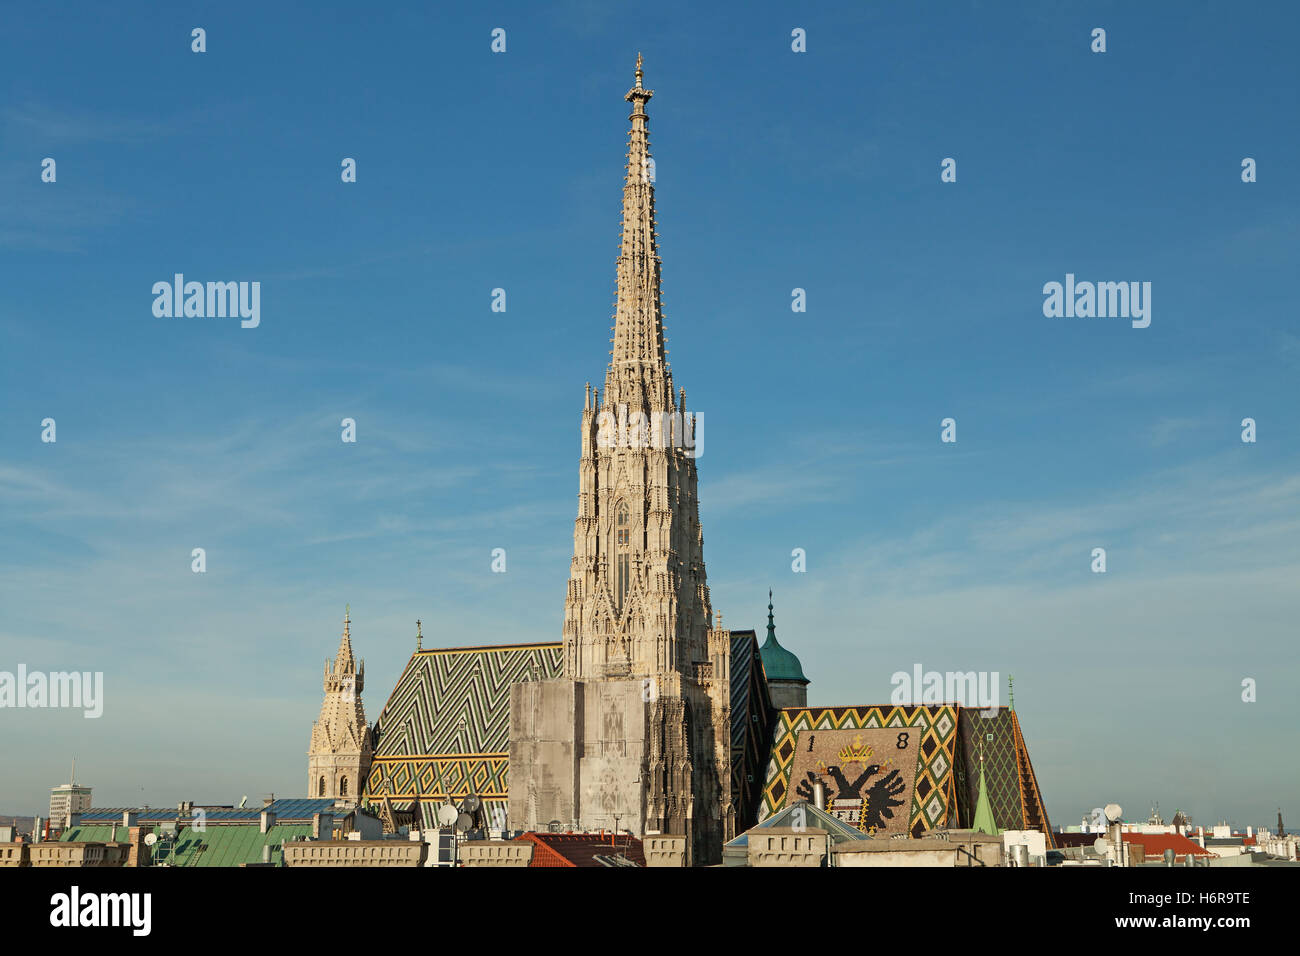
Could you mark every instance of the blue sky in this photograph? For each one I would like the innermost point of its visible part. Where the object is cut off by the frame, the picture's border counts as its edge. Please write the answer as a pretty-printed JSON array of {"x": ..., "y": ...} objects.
[{"x": 775, "y": 170}]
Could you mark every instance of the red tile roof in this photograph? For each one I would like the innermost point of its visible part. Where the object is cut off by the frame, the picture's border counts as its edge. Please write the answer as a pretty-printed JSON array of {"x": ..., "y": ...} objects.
[
  {"x": 1155, "y": 844},
  {"x": 582, "y": 849}
]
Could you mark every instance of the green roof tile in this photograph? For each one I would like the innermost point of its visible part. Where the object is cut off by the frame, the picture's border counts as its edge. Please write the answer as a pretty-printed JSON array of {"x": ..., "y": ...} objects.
[
  {"x": 217, "y": 845},
  {"x": 778, "y": 663}
]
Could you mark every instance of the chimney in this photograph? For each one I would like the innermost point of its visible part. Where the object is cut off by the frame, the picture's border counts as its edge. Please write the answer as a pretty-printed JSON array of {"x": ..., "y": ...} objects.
[
  {"x": 322, "y": 826},
  {"x": 819, "y": 795},
  {"x": 74, "y": 820},
  {"x": 129, "y": 818},
  {"x": 268, "y": 820},
  {"x": 138, "y": 855}
]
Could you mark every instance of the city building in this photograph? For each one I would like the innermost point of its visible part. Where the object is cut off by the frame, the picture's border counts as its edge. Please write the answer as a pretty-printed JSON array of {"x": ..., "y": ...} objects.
[
  {"x": 197, "y": 835},
  {"x": 68, "y": 798}
]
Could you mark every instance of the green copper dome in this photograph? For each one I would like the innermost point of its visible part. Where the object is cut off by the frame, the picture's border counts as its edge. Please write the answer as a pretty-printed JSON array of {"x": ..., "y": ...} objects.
[{"x": 778, "y": 663}]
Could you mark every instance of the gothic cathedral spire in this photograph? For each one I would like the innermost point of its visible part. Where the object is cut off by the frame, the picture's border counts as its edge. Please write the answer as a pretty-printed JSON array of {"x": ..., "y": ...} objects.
[
  {"x": 638, "y": 370},
  {"x": 341, "y": 745},
  {"x": 638, "y": 601},
  {"x": 637, "y": 613}
]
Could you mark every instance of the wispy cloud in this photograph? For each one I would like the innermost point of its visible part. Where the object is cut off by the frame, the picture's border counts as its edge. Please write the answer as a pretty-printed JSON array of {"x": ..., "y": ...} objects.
[{"x": 61, "y": 126}]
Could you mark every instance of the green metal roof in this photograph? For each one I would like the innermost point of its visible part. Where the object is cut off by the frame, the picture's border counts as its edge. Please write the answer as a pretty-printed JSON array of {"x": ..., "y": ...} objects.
[
  {"x": 96, "y": 833},
  {"x": 778, "y": 663},
  {"x": 217, "y": 845}
]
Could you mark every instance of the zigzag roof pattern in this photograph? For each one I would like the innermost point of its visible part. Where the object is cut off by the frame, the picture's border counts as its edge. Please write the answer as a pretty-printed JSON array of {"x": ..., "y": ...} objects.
[
  {"x": 456, "y": 701},
  {"x": 946, "y": 778},
  {"x": 445, "y": 729}
]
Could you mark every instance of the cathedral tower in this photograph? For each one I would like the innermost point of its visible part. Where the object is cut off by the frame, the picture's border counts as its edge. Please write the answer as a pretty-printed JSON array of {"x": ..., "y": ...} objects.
[
  {"x": 341, "y": 745},
  {"x": 646, "y": 686}
]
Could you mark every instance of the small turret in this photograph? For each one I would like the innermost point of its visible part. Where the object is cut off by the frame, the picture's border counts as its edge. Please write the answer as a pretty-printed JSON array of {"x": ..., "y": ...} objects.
[{"x": 785, "y": 678}]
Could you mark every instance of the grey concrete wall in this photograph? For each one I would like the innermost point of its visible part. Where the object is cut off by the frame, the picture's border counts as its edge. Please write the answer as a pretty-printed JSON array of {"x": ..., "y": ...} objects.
[
  {"x": 613, "y": 756},
  {"x": 788, "y": 693},
  {"x": 546, "y": 725}
]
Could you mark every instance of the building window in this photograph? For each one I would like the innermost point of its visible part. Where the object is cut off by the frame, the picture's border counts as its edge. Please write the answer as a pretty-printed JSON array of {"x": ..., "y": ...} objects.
[
  {"x": 343, "y": 786},
  {"x": 622, "y": 545},
  {"x": 322, "y": 786}
]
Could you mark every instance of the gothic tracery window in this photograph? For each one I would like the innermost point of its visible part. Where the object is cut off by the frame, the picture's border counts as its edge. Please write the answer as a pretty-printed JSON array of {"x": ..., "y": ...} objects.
[
  {"x": 322, "y": 786},
  {"x": 343, "y": 786},
  {"x": 622, "y": 539}
]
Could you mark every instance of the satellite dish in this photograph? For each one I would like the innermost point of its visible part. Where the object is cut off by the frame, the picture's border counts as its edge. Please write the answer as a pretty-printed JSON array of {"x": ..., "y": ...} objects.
[
  {"x": 1102, "y": 846},
  {"x": 150, "y": 839},
  {"x": 447, "y": 815},
  {"x": 472, "y": 803},
  {"x": 1113, "y": 812},
  {"x": 464, "y": 822}
]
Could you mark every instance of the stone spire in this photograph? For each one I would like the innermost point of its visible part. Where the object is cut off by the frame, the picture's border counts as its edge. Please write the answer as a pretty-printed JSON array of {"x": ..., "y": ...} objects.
[
  {"x": 638, "y": 603},
  {"x": 646, "y": 672},
  {"x": 343, "y": 661},
  {"x": 341, "y": 745},
  {"x": 638, "y": 372}
]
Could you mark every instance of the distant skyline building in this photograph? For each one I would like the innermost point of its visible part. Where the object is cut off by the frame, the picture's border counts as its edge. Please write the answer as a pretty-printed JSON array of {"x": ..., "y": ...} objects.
[{"x": 68, "y": 798}]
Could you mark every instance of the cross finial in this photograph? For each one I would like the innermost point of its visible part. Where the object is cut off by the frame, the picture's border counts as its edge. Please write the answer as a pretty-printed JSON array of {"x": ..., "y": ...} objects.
[
  {"x": 419, "y": 637},
  {"x": 638, "y": 71},
  {"x": 771, "y": 624}
]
